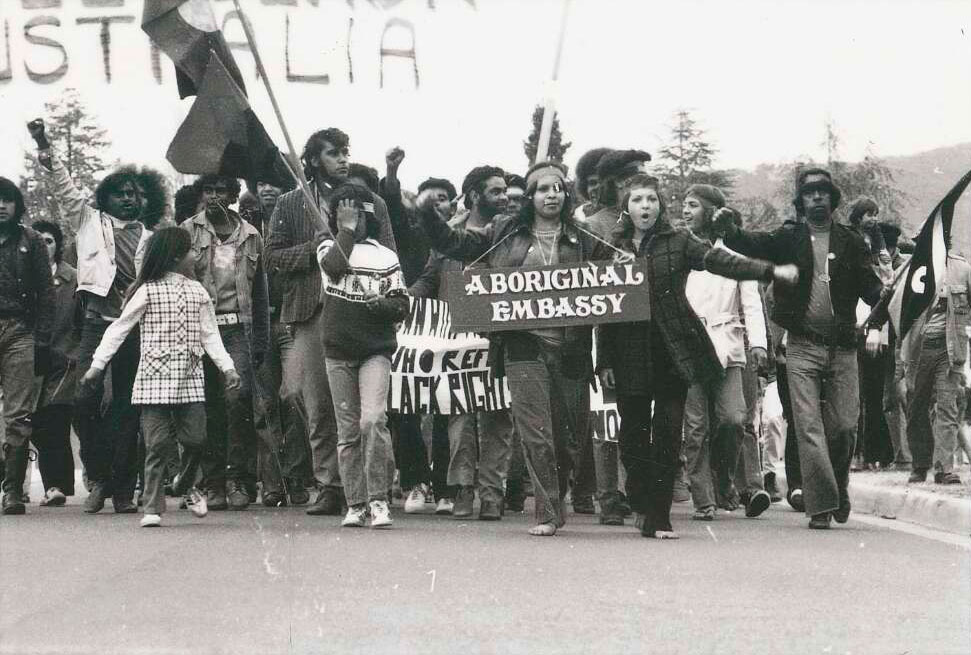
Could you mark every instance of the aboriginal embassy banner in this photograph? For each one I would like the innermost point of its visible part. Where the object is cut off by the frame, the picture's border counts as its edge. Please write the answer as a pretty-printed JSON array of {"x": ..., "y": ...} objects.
[
  {"x": 438, "y": 371},
  {"x": 559, "y": 295}
]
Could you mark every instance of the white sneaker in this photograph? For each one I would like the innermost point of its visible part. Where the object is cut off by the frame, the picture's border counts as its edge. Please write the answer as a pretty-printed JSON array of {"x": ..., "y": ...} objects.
[
  {"x": 195, "y": 500},
  {"x": 380, "y": 514},
  {"x": 415, "y": 503},
  {"x": 356, "y": 517},
  {"x": 53, "y": 497},
  {"x": 445, "y": 506},
  {"x": 150, "y": 521}
]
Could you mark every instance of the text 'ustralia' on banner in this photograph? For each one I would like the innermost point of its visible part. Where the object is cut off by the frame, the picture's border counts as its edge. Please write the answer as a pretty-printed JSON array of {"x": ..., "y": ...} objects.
[{"x": 558, "y": 295}]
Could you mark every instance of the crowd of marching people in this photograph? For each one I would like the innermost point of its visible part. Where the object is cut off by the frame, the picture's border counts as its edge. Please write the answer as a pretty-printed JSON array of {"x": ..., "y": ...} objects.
[{"x": 235, "y": 356}]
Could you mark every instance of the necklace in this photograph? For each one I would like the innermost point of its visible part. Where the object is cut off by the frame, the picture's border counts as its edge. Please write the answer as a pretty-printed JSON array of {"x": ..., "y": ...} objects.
[{"x": 541, "y": 236}]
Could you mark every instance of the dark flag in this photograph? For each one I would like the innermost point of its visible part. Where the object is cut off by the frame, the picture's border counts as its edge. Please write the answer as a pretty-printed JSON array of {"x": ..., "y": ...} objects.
[
  {"x": 221, "y": 133},
  {"x": 917, "y": 290},
  {"x": 187, "y": 32}
]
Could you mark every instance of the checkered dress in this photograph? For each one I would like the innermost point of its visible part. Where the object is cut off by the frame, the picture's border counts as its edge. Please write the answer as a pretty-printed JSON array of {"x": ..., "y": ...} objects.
[{"x": 170, "y": 368}]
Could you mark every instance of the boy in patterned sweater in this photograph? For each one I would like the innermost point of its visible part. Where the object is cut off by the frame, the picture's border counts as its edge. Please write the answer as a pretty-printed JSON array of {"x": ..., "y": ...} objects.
[
  {"x": 364, "y": 297},
  {"x": 177, "y": 324}
]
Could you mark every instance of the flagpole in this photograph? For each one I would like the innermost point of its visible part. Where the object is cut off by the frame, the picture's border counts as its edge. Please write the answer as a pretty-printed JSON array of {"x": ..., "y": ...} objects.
[
  {"x": 549, "y": 110},
  {"x": 294, "y": 163}
]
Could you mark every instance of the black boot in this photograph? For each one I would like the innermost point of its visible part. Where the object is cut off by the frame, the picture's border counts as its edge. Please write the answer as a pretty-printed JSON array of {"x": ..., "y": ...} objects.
[{"x": 15, "y": 468}]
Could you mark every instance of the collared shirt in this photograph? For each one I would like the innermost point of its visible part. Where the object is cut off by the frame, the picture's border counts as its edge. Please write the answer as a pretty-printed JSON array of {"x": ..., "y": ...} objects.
[
  {"x": 224, "y": 269},
  {"x": 127, "y": 235}
]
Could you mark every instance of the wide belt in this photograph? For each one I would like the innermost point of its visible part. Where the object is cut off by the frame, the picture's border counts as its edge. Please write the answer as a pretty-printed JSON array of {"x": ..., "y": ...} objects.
[
  {"x": 720, "y": 319},
  {"x": 231, "y": 318}
]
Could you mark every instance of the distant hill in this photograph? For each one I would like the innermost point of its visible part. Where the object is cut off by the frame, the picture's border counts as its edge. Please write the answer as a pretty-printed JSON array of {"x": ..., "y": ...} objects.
[{"x": 924, "y": 176}]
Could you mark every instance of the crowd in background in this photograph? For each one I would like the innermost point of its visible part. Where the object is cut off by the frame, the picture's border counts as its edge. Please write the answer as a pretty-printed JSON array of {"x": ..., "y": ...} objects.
[{"x": 242, "y": 355}]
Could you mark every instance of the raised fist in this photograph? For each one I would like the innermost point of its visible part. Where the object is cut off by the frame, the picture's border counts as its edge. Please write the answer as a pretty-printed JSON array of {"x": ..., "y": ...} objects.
[
  {"x": 36, "y": 129},
  {"x": 394, "y": 157}
]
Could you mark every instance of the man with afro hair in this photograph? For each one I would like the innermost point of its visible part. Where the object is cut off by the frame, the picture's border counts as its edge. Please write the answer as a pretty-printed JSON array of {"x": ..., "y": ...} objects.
[
  {"x": 110, "y": 242},
  {"x": 588, "y": 182}
]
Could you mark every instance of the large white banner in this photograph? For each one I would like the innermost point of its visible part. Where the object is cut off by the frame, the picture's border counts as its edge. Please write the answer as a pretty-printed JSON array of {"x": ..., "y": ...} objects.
[{"x": 438, "y": 371}]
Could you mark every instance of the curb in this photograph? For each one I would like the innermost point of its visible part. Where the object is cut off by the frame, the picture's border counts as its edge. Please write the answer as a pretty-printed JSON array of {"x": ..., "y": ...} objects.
[{"x": 923, "y": 508}]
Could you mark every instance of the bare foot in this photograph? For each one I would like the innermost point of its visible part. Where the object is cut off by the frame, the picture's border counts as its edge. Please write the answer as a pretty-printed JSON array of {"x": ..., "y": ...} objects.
[{"x": 543, "y": 530}]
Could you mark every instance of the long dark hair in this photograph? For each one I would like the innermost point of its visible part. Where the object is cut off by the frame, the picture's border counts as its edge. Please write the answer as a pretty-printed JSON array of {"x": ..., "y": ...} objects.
[{"x": 164, "y": 250}]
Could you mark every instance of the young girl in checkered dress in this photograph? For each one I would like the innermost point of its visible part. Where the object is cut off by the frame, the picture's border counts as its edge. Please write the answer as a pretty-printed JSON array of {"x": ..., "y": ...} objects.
[{"x": 177, "y": 326}]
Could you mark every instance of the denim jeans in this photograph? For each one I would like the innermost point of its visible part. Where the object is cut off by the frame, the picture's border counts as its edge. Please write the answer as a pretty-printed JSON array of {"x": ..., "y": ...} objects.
[
  {"x": 163, "y": 426},
  {"x": 109, "y": 442},
  {"x": 748, "y": 468},
  {"x": 480, "y": 442},
  {"x": 306, "y": 370},
  {"x": 549, "y": 411},
  {"x": 713, "y": 418},
  {"x": 17, "y": 379},
  {"x": 279, "y": 418},
  {"x": 791, "y": 449},
  {"x": 825, "y": 389},
  {"x": 935, "y": 382},
  {"x": 231, "y": 432},
  {"x": 360, "y": 393}
]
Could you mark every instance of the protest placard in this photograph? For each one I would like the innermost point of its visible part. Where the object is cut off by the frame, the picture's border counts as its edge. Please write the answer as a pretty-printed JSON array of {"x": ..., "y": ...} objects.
[
  {"x": 604, "y": 416},
  {"x": 438, "y": 371},
  {"x": 559, "y": 295}
]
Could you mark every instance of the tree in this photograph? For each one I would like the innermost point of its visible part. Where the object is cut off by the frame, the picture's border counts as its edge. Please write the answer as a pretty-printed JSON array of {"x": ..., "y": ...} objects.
[
  {"x": 81, "y": 144},
  {"x": 758, "y": 213},
  {"x": 687, "y": 158},
  {"x": 870, "y": 177},
  {"x": 557, "y": 147}
]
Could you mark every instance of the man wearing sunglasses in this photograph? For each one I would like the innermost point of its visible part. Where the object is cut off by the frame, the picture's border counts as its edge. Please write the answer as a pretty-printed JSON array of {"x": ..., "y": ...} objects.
[
  {"x": 820, "y": 314},
  {"x": 228, "y": 261},
  {"x": 110, "y": 243}
]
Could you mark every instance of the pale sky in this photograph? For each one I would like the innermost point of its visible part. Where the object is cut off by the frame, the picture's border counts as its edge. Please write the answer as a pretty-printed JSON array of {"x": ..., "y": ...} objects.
[{"x": 761, "y": 76}]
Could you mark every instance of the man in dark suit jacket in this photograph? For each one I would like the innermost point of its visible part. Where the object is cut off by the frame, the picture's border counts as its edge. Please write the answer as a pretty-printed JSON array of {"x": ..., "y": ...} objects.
[{"x": 295, "y": 231}]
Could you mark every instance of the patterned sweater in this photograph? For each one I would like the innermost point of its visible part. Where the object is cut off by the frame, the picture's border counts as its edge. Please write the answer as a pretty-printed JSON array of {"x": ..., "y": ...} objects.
[
  {"x": 353, "y": 328},
  {"x": 178, "y": 326}
]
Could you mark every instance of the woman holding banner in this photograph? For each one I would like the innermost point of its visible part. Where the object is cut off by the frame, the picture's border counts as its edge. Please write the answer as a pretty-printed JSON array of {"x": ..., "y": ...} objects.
[
  {"x": 652, "y": 363},
  {"x": 548, "y": 370}
]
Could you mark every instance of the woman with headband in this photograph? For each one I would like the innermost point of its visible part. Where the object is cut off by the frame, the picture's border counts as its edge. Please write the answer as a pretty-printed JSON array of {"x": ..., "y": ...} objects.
[
  {"x": 548, "y": 369},
  {"x": 652, "y": 363}
]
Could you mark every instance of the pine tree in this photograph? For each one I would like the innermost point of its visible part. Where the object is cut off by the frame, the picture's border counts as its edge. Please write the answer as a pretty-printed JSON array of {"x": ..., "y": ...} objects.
[
  {"x": 558, "y": 147},
  {"x": 687, "y": 159},
  {"x": 81, "y": 145}
]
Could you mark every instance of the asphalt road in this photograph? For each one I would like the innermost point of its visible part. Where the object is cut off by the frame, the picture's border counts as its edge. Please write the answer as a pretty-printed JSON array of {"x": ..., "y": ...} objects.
[{"x": 274, "y": 581}]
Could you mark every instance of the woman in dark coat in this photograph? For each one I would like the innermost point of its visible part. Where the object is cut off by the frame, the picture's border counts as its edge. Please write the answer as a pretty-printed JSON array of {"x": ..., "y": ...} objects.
[{"x": 652, "y": 363}]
